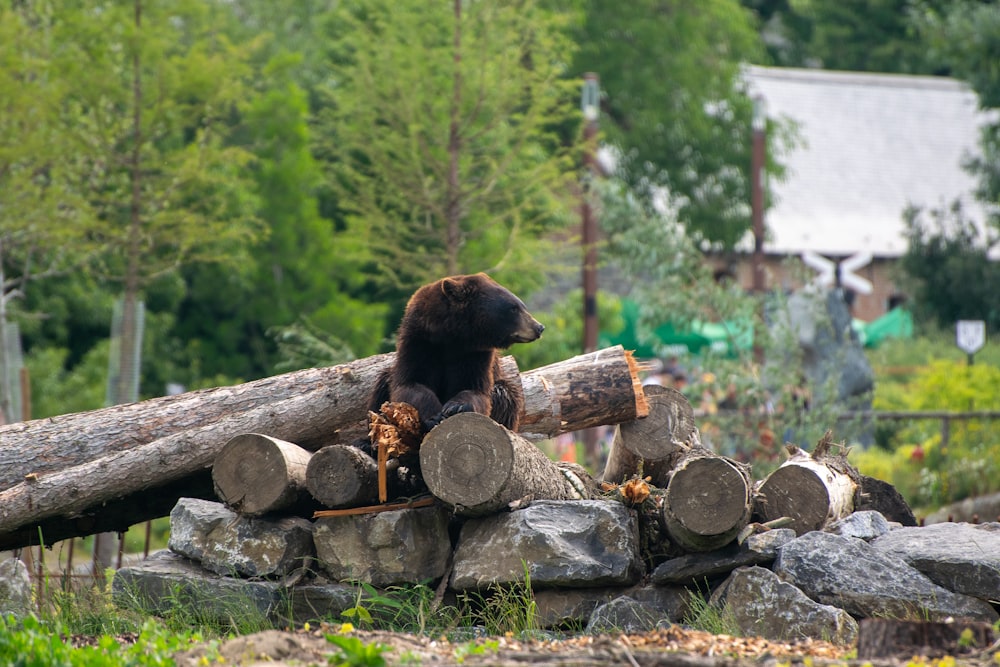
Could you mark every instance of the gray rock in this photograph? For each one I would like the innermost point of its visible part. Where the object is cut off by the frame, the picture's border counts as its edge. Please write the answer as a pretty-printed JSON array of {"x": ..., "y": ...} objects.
[
  {"x": 624, "y": 614},
  {"x": 764, "y": 606},
  {"x": 866, "y": 525},
  {"x": 227, "y": 543},
  {"x": 961, "y": 557},
  {"x": 864, "y": 581},
  {"x": 573, "y": 607},
  {"x": 191, "y": 520},
  {"x": 570, "y": 607},
  {"x": 573, "y": 543},
  {"x": 386, "y": 548},
  {"x": 169, "y": 583},
  {"x": 758, "y": 549},
  {"x": 15, "y": 588}
]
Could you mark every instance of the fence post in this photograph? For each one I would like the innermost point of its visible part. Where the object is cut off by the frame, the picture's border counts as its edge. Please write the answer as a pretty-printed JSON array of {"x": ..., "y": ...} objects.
[{"x": 945, "y": 430}]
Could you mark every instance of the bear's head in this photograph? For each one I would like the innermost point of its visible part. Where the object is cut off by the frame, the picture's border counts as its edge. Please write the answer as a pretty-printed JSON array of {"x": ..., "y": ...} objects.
[{"x": 470, "y": 312}]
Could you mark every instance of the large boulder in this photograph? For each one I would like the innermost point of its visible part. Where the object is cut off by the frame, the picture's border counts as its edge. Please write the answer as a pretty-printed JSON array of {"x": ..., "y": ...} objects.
[
  {"x": 763, "y": 605},
  {"x": 576, "y": 543},
  {"x": 236, "y": 545},
  {"x": 15, "y": 588},
  {"x": 384, "y": 548},
  {"x": 962, "y": 557},
  {"x": 867, "y": 582}
]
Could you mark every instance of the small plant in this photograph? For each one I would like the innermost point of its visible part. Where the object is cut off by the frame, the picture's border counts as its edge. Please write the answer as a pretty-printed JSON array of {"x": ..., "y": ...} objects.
[
  {"x": 355, "y": 653},
  {"x": 703, "y": 616},
  {"x": 505, "y": 609}
]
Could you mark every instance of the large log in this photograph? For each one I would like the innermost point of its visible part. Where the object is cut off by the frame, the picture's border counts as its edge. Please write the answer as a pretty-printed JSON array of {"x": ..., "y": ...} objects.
[
  {"x": 812, "y": 490},
  {"x": 595, "y": 389},
  {"x": 41, "y": 446},
  {"x": 707, "y": 501},
  {"x": 479, "y": 467},
  {"x": 344, "y": 476},
  {"x": 654, "y": 443},
  {"x": 255, "y": 474},
  {"x": 108, "y": 469}
]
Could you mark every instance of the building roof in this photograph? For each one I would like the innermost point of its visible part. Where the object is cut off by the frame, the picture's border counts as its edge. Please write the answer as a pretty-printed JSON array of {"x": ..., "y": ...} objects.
[{"x": 868, "y": 145}]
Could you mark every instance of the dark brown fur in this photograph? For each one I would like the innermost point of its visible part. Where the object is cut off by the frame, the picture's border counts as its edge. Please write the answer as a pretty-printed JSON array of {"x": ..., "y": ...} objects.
[{"x": 446, "y": 351}]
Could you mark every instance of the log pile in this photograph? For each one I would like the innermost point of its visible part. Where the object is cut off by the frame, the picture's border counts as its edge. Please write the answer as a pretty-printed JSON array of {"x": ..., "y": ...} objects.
[
  {"x": 265, "y": 448},
  {"x": 106, "y": 470}
]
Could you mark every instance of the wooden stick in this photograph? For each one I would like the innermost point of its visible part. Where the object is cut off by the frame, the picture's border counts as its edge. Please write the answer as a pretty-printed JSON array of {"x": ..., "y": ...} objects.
[{"x": 372, "y": 509}]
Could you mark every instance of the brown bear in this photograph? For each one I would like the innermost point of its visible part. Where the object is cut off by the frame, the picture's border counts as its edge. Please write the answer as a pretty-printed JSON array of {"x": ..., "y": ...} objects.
[{"x": 446, "y": 351}]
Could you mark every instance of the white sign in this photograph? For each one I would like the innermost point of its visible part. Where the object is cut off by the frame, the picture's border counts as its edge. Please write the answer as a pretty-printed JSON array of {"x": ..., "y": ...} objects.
[
  {"x": 828, "y": 270},
  {"x": 970, "y": 335}
]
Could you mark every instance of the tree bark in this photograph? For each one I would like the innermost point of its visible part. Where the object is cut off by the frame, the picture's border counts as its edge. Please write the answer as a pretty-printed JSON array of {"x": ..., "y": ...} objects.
[
  {"x": 479, "y": 467},
  {"x": 595, "y": 389},
  {"x": 337, "y": 398},
  {"x": 652, "y": 444},
  {"x": 255, "y": 474},
  {"x": 812, "y": 490},
  {"x": 708, "y": 501},
  {"x": 342, "y": 476}
]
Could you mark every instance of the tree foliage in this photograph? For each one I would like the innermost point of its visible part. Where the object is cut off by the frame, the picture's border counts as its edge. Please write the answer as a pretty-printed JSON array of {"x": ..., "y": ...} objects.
[
  {"x": 951, "y": 275},
  {"x": 676, "y": 106},
  {"x": 441, "y": 133}
]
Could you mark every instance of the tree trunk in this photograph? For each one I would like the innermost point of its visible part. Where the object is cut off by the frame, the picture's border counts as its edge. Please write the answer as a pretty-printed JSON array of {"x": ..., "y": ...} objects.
[
  {"x": 125, "y": 477},
  {"x": 479, "y": 467},
  {"x": 708, "y": 501},
  {"x": 595, "y": 389},
  {"x": 343, "y": 476},
  {"x": 255, "y": 474},
  {"x": 811, "y": 490},
  {"x": 337, "y": 398},
  {"x": 891, "y": 638},
  {"x": 652, "y": 444}
]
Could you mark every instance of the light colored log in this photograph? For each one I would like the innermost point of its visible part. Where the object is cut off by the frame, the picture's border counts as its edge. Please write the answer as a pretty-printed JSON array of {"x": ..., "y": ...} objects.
[{"x": 255, "y": 474}]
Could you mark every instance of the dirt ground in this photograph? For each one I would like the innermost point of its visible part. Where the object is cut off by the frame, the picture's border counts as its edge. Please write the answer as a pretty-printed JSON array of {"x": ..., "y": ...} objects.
[{"x": 672, "y": 647}]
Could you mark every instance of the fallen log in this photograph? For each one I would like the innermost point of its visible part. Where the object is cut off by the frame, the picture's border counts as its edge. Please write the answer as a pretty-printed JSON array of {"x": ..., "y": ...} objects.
[
  {"x": 41, "y": 446},
  {"x": 812, "y": 490},
  {"x": 479, "y": 467},
  {"x": 54, "y": 502},
  {"x": 108, "y": 469},
  {"x": 255, "y": 474},
  {"x": 651, "y": 446},
  {"x": 708, "y": 500}
]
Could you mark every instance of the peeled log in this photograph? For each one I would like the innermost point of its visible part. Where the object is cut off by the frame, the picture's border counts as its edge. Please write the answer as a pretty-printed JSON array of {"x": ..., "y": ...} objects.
[
  {"x": 595, "y": 389},
  {"x": 255, "y": 474},
  {"x": 479, "y": 467},
  {"x": 708, "y": 501},
  {"x": 655, "y": 442},
  {"x": 344, "y": 476},
  {"x": 811, "y": 490}
]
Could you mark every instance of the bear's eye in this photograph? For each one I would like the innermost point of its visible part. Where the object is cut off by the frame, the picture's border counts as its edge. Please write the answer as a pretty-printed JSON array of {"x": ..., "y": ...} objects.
[{"x": 513, "y": 309}]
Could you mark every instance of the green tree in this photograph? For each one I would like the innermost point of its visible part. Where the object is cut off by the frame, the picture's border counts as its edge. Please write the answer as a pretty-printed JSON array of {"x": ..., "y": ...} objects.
[
  {"x": 675, "y": 103},
  {"x": 44, "y": 221},
  {"x": 951, "y": 276},
  {"x": 442, "y": 134},
  {"x": 151, "y": 87}
]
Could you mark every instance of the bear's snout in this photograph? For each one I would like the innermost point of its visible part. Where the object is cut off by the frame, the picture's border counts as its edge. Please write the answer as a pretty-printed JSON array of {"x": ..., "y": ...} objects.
[{"x": 531, "y": 329}]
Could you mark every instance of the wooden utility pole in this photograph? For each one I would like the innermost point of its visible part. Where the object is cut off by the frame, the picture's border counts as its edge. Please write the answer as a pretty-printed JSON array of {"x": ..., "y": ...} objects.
[
  {"x": 758, "y": 160},
  {"x": 591, "y": 110}
]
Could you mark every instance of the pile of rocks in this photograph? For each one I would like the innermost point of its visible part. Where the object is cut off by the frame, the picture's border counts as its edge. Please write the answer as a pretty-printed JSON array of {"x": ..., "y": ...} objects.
[{"x": 584, "y": 564}]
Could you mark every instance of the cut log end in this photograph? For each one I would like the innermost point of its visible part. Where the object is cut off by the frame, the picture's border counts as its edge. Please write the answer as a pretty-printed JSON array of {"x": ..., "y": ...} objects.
[
  {"x": 708, "y": 496},
  {"x": 255, "y": 474},
  {"x": 467, "y": 459},
  {"x": 796, "y": 492}
]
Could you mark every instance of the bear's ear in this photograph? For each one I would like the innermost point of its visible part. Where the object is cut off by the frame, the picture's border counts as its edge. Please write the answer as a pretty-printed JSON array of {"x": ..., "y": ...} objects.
[{"x": 458, "y": 288}]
